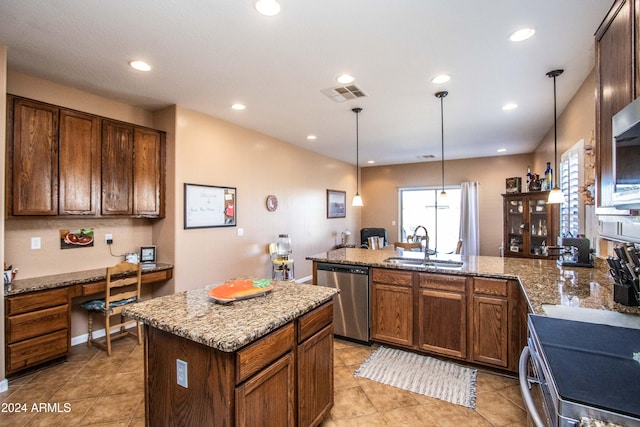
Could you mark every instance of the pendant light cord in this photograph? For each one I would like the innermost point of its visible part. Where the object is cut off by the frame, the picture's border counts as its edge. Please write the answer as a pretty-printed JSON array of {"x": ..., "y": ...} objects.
[
  {"x": 357, "y": 111},
  {"x": 442, "y": 136},
  {"x": 554, "y": 74}
]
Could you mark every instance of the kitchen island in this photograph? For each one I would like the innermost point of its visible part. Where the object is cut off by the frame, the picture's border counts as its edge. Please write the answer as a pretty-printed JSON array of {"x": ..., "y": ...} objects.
[
  {"x": 269, "y": 357},
  {"x": 474, "y": 312}
]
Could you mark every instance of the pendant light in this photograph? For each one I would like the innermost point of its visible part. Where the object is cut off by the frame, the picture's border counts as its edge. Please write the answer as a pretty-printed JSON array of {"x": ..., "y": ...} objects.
[
  {"x": 555, "y": 195},
  {"x": 357, "y": 200},
  {"x": 441, "y": 95}
]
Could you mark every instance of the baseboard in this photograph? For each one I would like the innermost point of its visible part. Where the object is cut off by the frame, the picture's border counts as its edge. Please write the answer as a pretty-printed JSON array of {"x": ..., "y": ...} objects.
[
  {"x": 82, "y": 339},
  {"x": 4, "y": 385},
  {"x": 307, "y": 279}
]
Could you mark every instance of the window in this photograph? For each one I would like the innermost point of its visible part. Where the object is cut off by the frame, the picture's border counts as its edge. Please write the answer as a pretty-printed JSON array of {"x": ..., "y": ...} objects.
[
  {"x": 441, "y": 218},
  {"x": 571, "y": 178}
]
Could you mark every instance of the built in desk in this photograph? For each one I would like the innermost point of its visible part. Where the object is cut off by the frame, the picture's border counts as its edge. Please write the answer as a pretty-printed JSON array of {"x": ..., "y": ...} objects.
[{"x": 38, "y": 313}]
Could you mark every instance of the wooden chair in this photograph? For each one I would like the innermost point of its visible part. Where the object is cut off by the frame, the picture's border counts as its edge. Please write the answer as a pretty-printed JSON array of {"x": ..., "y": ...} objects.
[
  {"x": 123, "y": 288},
  {"x": 459, "y": 247},
  {"x": 409, "y": 246}
]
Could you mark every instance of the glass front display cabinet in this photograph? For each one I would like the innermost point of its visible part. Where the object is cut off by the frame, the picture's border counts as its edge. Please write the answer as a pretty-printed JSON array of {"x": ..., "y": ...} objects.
[{"x": 530, "y": 224}]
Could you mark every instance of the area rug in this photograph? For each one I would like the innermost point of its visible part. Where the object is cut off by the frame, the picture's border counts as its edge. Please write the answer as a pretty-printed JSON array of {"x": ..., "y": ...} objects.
[{"x": 421, "y": 374}]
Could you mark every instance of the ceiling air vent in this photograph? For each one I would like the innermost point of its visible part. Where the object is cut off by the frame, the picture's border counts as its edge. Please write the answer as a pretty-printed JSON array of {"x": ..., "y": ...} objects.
[
  {"x": 344, "y": 93},
  {"x": 426, "y": 156}
]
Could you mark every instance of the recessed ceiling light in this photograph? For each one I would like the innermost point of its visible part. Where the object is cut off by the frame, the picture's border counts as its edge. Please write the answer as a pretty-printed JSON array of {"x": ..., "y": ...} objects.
[
  {"x": 312, "y": 137},
  {"x": 371, "y": 162},
  {"x": 268, "y": 7},
  {"x": 238, "y": 107},
  {"x": 522, "y": 34},
  {"x": 442, "y": 78},
  {"x": 509, "y": 106},
  {"x": 345, "y": 79},
  {"x": 502, "y": 150},
  {"x": 140, "y": 65}
]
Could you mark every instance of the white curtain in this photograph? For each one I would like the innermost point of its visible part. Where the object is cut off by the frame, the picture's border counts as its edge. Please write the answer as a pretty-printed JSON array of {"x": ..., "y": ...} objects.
[{"x": 469, "y": 219}]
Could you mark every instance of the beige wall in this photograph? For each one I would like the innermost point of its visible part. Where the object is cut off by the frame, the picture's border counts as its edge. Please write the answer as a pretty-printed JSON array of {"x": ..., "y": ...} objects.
[
  {"x": 576, "y": 122},
  {"x": 203, "y": 150},
  {"x": 380, "y": 191},
  {"x": 213, "y": 152}
]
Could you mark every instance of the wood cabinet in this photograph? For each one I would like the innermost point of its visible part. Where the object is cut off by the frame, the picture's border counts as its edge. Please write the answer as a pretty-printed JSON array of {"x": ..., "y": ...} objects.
[
  {"x": 132, "y": 167},
  {"x": 617, "y": 71},
  {"x": 475, "y": 319},
  {"x": 68, "y": 163},
  {"x": 530, "y": 224},
  {"x": 314, "y": 368},
  {"x": 442, "y": 314},
  {"x": 285, "y": 377},
  {"x": 37, "y": 328},
  {"x": 490, "y": 321},
  {"x": 392, "y": 306},
  {"x": 32, "y": 157}
]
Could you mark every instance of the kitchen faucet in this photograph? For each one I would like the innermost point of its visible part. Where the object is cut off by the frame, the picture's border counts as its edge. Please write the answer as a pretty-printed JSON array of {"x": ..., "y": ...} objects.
[{"x": 426, "y": 233}]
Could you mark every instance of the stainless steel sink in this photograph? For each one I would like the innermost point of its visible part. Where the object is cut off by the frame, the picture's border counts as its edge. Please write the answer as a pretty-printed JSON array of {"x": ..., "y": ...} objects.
[{"x": 416, "y": 262}]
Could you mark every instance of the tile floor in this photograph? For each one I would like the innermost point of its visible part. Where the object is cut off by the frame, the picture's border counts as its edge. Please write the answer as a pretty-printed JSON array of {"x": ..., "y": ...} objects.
[{"x": 91, "y": 388}]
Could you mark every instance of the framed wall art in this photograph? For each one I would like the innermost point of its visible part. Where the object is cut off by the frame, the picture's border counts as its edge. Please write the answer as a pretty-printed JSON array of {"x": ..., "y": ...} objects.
[
  {"x": 336, "y": 204},
  {"x": 209, "y": 206}
]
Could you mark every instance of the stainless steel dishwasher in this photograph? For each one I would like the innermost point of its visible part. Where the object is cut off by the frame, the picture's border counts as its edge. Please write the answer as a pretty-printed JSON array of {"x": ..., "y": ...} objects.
[{"x": 351, "y": 305}]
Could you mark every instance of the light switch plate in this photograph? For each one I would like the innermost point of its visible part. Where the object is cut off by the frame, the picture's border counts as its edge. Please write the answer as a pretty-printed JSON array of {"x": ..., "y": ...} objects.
[
  {"x": 182, "y": 373},
  {"x": 36, "y": 243}
]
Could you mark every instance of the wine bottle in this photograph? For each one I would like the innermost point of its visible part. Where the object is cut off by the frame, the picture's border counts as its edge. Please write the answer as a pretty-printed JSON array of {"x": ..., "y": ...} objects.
[
  {"x": 526, "y": 187},
  {"x": 548, "y": 177}
]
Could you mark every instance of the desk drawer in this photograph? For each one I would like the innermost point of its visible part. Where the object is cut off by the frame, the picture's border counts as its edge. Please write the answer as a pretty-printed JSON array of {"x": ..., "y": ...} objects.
[
  {"x": 264, "y": 351},
  {"x": 26, "y": 353},
  {"x": 36, "y": 300},
  {"x": 40, "y": 322}
]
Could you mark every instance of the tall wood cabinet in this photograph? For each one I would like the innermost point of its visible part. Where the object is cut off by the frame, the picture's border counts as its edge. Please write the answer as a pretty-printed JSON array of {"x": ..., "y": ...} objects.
[
  {"x": 530, "y": 224},
  {"x": 618, "y": 83},
  {"x": 62, "y": 162}
]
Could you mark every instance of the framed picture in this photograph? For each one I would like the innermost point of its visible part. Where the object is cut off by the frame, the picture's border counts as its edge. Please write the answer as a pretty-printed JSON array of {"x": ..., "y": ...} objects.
[
  {"x": 513, "y": 185},
  {"x": 209, "y": 206},
  {"x": 336, "y": 204},
  {"x": 148, "y": 255}
]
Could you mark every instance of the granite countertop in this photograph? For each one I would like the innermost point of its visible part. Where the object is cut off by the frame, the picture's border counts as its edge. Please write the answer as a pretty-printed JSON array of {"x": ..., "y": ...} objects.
[
  {"x": 543, "y": 281},
  {"x": 195, "y": 316},
  {"x": 66, "y": 279}
]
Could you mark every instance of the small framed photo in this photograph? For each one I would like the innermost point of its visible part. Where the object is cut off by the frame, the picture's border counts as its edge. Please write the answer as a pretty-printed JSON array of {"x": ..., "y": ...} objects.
[
  {"x": 336, "y": 204},
  {"x": 514, "y": 185},
  {"x": 148, "y": 255}
]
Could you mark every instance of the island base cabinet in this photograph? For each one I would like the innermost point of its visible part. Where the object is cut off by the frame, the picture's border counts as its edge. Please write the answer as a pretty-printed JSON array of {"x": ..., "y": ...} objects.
[
  {"x": 209, "y": 395},
  {"x": 490, "y": 328},
  {"x": 443, "y": 323},
  {"x": 268, "y": 398},
  {"x": 285, "y": 378},
  {"x": 315, "y": 378},
  {"x": 392, "y": 307}
]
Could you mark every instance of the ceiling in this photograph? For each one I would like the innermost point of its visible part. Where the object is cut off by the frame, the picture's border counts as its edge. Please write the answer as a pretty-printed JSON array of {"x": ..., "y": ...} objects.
[{"x": 209, "y": 54}]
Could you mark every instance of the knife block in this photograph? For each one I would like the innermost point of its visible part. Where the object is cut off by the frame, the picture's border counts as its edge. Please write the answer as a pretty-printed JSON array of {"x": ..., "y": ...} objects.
[{"x": 625, "y": 295}]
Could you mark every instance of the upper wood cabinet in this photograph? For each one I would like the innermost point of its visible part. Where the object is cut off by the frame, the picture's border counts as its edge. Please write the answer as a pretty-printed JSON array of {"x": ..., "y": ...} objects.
[
  {"x": 67, "y": 163},
  {"x": 79, "y": 161},
  {"x": 132, "y": 162},
  {"x": 32, "y": 158},
  {"x": 617, "y": 84}
]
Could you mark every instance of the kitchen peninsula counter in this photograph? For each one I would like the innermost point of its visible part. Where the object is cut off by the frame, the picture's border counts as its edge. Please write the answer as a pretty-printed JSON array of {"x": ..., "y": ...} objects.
[
  {"x": 543, "y": 281},
  {"x": 265, "y": 358}
]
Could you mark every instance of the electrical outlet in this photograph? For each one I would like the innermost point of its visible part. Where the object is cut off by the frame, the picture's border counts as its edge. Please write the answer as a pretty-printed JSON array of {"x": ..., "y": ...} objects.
[
  {"x": 182, "y": 373},
  {"x": 108, "y": 238}
]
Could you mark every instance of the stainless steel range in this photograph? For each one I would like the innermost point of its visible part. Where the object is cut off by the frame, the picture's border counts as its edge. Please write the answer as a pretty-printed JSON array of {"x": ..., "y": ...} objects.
[{"x": 581, "y": 370}]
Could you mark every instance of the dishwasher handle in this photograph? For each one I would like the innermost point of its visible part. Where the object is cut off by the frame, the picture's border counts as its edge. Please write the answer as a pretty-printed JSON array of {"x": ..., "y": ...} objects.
[{"x": 343, "y": 269}]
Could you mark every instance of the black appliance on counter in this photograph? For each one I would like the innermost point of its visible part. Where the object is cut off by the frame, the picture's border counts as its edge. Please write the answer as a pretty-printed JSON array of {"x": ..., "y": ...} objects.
[
  {"x": 577, "y": 252},
  {"x": 581, "y": 370}
]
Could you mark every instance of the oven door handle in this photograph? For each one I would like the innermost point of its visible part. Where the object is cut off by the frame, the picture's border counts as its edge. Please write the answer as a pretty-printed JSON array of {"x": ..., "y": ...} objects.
[{"x": 526, "y": 390}]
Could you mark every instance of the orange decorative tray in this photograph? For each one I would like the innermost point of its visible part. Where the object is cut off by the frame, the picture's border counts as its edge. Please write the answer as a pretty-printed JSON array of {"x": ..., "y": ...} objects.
[{"x": 239, "y": 289}]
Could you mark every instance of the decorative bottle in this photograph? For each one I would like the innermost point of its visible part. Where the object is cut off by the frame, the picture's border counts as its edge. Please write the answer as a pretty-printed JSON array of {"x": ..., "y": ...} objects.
[
  {"x": 526, "y": 187},
  {"x": 548, "y": 176}
]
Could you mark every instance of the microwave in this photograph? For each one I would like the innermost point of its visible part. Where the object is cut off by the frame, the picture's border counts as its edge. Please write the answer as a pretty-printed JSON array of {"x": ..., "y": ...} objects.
[{"x": 626, "y": 157}]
